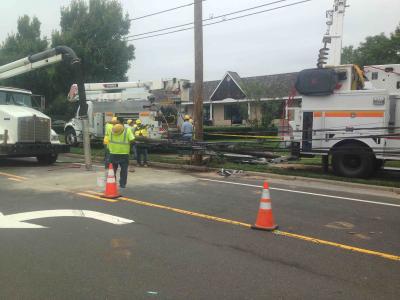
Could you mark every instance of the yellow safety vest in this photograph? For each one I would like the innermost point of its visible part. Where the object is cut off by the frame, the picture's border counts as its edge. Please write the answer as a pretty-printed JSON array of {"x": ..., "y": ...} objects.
[
  {"x": 107, "y": 132},
  {"x": 120, "y": 144},
  {"x": 141, "y": 131}
]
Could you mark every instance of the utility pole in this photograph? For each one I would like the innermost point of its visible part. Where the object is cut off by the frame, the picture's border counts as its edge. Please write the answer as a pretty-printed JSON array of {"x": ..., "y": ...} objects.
[
  {"x": 198, "y": 70},
  {"x": 83, "y": 114}
]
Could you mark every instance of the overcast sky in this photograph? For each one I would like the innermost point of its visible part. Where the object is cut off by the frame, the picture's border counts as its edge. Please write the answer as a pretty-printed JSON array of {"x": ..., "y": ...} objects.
[{"x": 280, "y": 41}]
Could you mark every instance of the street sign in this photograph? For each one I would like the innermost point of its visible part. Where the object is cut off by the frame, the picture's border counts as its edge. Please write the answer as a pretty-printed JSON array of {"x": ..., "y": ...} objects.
[{"x": 18, "y": 220}]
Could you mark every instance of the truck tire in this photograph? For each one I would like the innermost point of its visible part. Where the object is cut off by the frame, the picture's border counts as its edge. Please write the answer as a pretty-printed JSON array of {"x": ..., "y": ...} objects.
[
  {"x": 70, "y": 137},
  {"x": 379, "y": 163},
  {"x": 47, "y": 159},
  {"x": 353, "y": 160}
]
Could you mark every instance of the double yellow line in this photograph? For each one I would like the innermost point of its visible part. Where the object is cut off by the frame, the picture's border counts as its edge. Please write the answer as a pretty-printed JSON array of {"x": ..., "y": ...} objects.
[
  {"x": 13, "y": 177},
  {"x": 96, "y": 195}
]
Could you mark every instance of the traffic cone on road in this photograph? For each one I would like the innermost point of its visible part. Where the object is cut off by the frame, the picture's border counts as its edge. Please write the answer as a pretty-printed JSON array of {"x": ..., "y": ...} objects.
[
  {"x": 111, "y": 191},
  {"x": 265, "y": 218}
]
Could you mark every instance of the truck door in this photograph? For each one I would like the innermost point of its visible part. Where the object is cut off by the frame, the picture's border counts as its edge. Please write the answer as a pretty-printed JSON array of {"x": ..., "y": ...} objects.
[
  {"x": 393, "y": 142},
  {"x": 306, "y": 144}
]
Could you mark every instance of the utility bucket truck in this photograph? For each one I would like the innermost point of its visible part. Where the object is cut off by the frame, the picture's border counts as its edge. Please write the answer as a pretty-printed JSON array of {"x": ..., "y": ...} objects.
[
  {"x": 129, "y": 100},
  {"x": 25, "y": 131},
  {"x": 343, "y": 115}
]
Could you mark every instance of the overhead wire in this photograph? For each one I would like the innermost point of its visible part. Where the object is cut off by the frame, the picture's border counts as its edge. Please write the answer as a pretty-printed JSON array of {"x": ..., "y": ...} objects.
[
  {"x": 208, "y": 19},
  {"x": 163, "y": 11},
  {"x": 217, "y": 22}
]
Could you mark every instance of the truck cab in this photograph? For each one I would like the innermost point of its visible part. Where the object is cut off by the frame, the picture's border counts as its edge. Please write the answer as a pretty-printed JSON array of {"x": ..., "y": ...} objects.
[{"x": 25, "y": 131}]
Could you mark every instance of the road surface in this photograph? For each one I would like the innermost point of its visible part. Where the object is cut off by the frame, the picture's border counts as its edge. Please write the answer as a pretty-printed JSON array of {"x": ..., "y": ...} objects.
[{"x": 190, "y": 237}]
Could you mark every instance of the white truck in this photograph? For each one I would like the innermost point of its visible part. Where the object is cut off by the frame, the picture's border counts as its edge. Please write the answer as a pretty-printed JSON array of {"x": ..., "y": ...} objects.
[
  {"x": 119, "y": 99},
  {"x": 344, "y": 116},
  {"x": 25, "y": 131}
]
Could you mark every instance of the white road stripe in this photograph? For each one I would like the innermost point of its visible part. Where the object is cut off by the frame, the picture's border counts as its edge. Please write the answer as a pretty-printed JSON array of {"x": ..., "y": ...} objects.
[
  {"x": 18, "y": 220},
  {"x": 305, "y": 193}
]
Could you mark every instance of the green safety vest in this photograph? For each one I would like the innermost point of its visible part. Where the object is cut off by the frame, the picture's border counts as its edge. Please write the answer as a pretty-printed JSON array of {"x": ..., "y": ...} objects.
[
  {"x": 109, "y": 127},
  {"x": 108, "y": 130},
  {"x": 120, "y": 144}
]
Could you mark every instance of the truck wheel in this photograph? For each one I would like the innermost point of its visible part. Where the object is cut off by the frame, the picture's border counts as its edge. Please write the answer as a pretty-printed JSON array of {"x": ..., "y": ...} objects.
[
  {"x": 70, "y": 137},
  {"x": 47, "y": 159},
  {"x": 353, "y": 160},
  {"x": 379, "y": 163}
]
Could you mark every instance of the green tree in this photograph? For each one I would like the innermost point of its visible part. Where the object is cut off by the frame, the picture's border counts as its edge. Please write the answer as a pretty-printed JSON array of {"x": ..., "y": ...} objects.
[
  {"x": 95, "y": 32},
  {"x": 375, "y": 50},
  {"x": 254, "y": 92},
  {"x": 26, "y": 41},
  {"x": 264, "y": 111}
]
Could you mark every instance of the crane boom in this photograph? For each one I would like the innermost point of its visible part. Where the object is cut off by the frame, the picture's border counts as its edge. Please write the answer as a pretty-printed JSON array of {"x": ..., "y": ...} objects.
[{"x": 334, "y": 35}]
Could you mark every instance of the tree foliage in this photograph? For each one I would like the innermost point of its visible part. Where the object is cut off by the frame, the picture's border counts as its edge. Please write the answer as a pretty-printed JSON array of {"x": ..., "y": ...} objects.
[
  {"x": 264, "y": 111},
  {"x": 375, "y": 50},
  {"x": 26, "y": 41},
  {"x": 94, "y": 30}
]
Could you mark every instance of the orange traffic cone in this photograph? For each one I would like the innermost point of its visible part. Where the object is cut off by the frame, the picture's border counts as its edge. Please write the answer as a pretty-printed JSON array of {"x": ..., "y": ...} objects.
[
  {"x": 265, "y": 218},
  {"x": 111, "y": 191}
]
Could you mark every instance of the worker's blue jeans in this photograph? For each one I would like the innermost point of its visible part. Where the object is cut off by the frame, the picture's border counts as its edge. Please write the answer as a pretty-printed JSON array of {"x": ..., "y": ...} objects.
[
  {"x": 141, "y": 151},
  {"x": 187, "y": 137},
  {"x": 106, "y": 157},
  {"x": 134, "y": 151},
  {"x": 121, "y": 160}
]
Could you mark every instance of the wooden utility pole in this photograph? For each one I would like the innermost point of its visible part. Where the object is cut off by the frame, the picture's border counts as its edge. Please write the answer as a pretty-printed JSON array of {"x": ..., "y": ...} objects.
[{"x": 198, "y": 70}]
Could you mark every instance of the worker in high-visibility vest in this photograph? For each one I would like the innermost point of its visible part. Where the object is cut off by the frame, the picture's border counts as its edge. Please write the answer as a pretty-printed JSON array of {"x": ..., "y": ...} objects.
[
  {"x": 141, "y": 148},
  {"x": 131, "y": 125},
  {"x": 107, "y": 131},
  {"x": 119, "y": 146}
]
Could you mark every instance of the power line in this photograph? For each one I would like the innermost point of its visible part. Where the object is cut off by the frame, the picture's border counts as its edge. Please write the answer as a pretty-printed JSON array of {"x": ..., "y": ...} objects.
[
  {"x": 211, "y": 18},
  {"x": 163, "y": 11},
  {"x": 221, "y": 21}
]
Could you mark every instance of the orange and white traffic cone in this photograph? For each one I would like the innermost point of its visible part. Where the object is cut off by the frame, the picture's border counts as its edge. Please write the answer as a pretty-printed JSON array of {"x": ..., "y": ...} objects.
[
  {"x": 111, "y": 191},
  {"x": 265, "y": 218}
]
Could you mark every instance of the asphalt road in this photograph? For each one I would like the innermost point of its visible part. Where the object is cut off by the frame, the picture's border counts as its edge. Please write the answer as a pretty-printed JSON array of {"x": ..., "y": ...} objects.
[{"x": 334, "y": 242}]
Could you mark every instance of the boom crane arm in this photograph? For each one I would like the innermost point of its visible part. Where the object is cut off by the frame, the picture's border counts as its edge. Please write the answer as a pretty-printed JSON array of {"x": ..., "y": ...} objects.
[
  {"x": 43, "y": 59},
  {"x": 334, "y": 35}
]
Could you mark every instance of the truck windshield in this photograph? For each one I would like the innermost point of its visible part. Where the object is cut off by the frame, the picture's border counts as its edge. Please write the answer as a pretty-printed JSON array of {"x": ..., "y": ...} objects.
[{"x": 14, "y": 98}]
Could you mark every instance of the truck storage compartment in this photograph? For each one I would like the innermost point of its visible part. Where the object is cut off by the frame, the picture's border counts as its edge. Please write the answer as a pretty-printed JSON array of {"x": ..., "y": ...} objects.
[{"x": 316, "y": 82}]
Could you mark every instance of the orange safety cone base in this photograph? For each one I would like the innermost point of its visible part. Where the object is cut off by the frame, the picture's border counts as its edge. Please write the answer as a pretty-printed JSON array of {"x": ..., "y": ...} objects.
[
  {"x": 264, "y": 228},
  {"x": 111, "y": 196}
]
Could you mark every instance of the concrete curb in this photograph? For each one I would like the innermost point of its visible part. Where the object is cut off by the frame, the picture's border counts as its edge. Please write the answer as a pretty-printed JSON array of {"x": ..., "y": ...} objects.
[{"x": 270, "y": 175}]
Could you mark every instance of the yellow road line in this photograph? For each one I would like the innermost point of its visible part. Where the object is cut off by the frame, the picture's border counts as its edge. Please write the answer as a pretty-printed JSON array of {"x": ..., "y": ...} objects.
[
  {"x": 14, "y": 179},
  {"x": 185, "y": 212},
  {"x": 95, "y": 193},
  {"x": 96, "y": 197},
  {"x": 342, "y": 246},
  {"x": 13, "y": 176},
  {"x": 232, "y": 222}
]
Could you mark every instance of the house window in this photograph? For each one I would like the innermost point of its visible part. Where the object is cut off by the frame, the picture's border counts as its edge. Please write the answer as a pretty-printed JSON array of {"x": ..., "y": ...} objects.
[
  {"x": 398, "y": 85},
  {"x": 374, "y": 76},
  {"x": 235, "y": 112}
]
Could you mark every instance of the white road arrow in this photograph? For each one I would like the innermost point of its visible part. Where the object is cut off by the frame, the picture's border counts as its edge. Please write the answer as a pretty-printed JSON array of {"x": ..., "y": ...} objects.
[{"x": 18, "y": 220}]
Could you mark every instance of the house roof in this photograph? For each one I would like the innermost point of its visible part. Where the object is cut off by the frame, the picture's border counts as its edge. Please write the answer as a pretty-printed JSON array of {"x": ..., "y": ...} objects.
[
  {"x": 231, "y": 86},
  {"x": 271, "y": 86}
]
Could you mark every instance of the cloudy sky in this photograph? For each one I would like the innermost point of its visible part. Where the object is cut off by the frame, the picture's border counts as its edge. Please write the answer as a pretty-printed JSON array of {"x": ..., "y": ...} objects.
[{"x": 280, "y": 41}]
